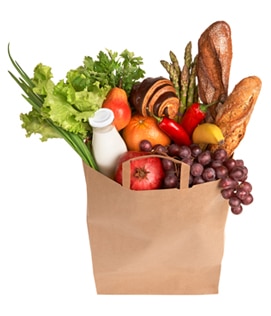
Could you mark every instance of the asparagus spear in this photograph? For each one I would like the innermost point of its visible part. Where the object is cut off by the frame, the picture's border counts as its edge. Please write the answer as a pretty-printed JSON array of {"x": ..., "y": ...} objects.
[
  {"x": 192, "y": 83},
  {"x": 188, "y": 55},
  {"x": 184, "y": 79},
  {"x": 184, "y": 89},
  {"x": 175, "y": 63},
  {"x": 173, "y": 75}
]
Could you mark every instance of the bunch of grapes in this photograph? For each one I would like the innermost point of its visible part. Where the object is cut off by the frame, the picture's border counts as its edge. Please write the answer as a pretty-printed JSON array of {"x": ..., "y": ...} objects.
[{"x": 206, "y": 166}]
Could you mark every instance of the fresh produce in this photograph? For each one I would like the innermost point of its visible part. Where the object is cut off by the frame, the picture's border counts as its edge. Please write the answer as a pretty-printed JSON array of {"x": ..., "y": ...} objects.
[
  {"x": 206, "y": 166},
  {"x": 183, "y": 79},
  {"x": 34, "y": 122},
  {"x": 145, "y": 145},
  {"x": 207, "y": 133},
  {"x": 62, "y": 109},
  {"x": 143, "y": 127},
  {"x": 145, "y": 174},
  {"x": 117, "y": 101},
  {"x": 174, "y": 130},
  {"x": 193, "y": 116}
]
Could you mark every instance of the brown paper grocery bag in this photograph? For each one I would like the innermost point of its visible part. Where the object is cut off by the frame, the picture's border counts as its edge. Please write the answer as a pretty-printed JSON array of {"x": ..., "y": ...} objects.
[{"x": 167, "y": 241}]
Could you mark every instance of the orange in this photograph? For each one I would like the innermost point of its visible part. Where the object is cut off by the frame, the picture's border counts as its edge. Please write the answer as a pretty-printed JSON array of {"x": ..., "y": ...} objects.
[{"x": 143, "y": 128}]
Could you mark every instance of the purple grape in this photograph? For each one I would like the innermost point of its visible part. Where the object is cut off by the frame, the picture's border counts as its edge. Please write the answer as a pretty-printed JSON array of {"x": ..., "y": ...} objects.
[
  {"x": 170, "y": 181},
  {"x": 248, "y": 199},
  {"x": 205, "y": 157},
  {"x": 236, "y": 173},
  {"x": 237, "y": 209},
  {"x": 230, "y": 163},
  {"x": 188, "y": 161},
  {"x": 220, "y": 154},
  {"x": 245, "y": 174},
  {"x": 246, "y": 186},
  {"x": 216, "y": 163},
  {"x": 145, "y": 145},
  {"x": 228, "y": 183},
  {"x": 173, "y": 150},
  {"x": 168, "y": 165},
  {"x": 159, "y": 149},
  {"x": 198, "y": 180},
  {"x": 241, "y": 193},
  {"x": 209, "y": 174},
  {"x": 196, "y": 169},
  {"x": 227, "y": 193},
  {"x": 221, "y": 172},
  {"x": 195, "y": 150},
  {"x": 239, "y": 162},
  {"x": 234, "y": 201},
  {"x": 184, "y": 152}
]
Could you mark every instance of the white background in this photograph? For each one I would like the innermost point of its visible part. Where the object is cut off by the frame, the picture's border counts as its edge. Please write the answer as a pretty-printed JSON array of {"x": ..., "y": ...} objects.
[{"x": 45, "y": 261}]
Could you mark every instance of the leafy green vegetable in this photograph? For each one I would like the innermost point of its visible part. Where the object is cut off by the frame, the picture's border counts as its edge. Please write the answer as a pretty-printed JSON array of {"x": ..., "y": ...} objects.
[
  {"x": 75, "y": 141},
  {"x": 121, "y": 71},
  {"x": 62, "y": 109},
  {"x": 34, "y": 124}
]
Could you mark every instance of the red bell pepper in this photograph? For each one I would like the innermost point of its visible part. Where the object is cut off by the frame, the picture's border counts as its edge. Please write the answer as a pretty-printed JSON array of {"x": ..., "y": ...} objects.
[
  {"x": 174, "y": 130},
  {"x": 194, "y": 115}
]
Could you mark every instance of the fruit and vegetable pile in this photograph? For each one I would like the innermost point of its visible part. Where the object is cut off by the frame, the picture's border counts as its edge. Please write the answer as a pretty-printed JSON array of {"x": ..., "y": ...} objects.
[{"x": 189, "y": 115}]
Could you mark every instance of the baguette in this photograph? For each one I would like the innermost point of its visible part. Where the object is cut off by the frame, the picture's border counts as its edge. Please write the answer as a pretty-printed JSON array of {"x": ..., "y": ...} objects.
[
  {"x": 234, "y": 114},
  {"x": 213, "y": 66}
]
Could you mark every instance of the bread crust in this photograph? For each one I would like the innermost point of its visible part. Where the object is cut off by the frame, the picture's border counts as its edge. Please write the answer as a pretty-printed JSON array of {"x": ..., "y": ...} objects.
[
  {"x": 214, "y": 64},
  {"x": 234, "y": 114}
]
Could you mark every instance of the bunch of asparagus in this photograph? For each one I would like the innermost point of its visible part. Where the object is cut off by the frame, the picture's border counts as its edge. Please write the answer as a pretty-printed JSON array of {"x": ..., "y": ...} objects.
[{"x": 183, "y": 79}]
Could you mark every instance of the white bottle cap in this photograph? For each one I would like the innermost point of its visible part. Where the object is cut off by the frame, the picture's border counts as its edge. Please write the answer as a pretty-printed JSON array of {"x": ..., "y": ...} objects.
[{"x": 101, "y": 118}]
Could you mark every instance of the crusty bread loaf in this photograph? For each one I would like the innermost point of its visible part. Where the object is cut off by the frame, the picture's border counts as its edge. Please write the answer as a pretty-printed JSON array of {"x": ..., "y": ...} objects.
[
  {"x": 234, "y": 114},
  {"x": 213, "y": 65}
]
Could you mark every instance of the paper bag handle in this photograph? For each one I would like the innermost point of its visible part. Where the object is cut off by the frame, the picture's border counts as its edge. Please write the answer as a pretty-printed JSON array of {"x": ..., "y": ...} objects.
[{"x": 184, "y": 172}]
